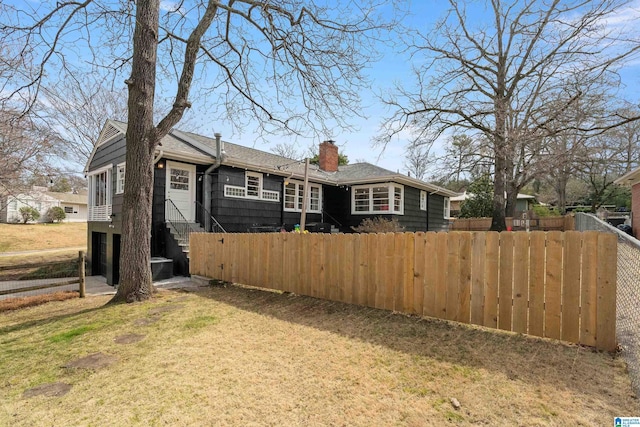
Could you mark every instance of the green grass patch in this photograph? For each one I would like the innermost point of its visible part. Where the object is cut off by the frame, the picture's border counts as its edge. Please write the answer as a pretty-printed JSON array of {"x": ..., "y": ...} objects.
[
  {"x": 200, "y": 322},
  {"x": 64, "y": 269},
  {"x": 71, "y": 334}
]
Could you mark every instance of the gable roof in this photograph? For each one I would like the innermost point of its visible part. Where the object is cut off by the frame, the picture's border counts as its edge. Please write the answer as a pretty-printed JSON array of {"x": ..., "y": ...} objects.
[
  {"x": 78, "y": 199},
  {"x": 201, "y": 149}
]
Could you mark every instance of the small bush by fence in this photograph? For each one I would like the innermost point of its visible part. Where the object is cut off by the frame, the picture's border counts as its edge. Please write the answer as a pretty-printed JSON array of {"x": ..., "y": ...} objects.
[
  {"x": 557, "y": 285},
  {"x": 33, "y": 279},
  {"x": 559, "y": 223}
]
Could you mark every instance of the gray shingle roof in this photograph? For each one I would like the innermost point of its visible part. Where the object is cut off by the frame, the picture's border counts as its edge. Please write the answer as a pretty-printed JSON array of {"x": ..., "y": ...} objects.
[{"x": 192, "y": 144}]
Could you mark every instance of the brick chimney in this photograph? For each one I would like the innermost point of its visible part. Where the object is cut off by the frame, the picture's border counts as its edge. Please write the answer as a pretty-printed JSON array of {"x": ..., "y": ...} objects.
[{"x": 328, "y": 157}]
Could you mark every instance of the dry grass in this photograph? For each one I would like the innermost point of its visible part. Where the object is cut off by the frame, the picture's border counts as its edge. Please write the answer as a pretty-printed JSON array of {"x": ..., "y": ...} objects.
[
  {"x": 32, "y": 301},
  {"x": 28, "y": 237},
  {"x": 238, "y": 356}
]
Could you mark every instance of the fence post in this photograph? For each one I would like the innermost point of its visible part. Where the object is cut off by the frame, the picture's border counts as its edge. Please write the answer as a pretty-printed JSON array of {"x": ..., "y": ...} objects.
[{"x": 81, "y": 273}]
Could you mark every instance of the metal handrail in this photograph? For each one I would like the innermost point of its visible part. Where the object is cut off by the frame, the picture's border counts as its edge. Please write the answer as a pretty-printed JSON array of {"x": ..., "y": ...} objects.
[
  {"x": 208, "y": 221},
  {"x": 178, "y": 222},
  {"x": 334, "y": 220}
]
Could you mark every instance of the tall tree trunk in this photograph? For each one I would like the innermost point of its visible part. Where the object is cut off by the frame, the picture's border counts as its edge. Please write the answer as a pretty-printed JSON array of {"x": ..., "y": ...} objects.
[
  {"x": 135, "y": 274},
  {"x": 512, "y": 200}
]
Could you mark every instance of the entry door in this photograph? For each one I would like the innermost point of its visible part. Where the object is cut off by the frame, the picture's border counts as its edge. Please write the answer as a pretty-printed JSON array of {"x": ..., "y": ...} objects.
[{"x": 181, "y": 187}]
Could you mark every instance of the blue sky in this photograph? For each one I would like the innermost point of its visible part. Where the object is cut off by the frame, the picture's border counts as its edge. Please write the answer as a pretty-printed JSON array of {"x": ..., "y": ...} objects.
[{"x": 394, "y": 66}]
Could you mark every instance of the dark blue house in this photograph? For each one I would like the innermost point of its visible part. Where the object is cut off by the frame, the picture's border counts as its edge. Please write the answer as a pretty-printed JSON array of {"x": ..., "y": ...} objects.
[{"x": 205, "y": 184}]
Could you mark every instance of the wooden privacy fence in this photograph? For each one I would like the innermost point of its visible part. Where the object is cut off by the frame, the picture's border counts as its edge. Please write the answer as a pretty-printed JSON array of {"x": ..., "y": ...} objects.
[
  {"x": 547, "y": 284},
  {"x": 559, "y": 223}
]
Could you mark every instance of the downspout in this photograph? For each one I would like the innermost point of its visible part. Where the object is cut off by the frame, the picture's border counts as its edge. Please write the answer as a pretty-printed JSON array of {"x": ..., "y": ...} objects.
[{"x": 206, "y": 197}]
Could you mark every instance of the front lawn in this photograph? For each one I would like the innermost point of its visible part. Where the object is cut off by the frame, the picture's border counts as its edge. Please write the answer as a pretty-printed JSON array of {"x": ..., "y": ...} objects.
[{"x": 240, "y": 356}]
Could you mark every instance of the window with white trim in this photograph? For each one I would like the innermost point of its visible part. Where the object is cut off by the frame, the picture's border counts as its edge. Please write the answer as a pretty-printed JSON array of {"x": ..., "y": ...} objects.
[
  {"x": 253, "y": 184},
  {"x": 252, "y": 189},
  {"x": 100, "y": 194},
  {"x": 68, "y": 209},
  {"x": 423, "y": 200},
  {"x": 385, "y": 198},
  {"x": 120, "y": 172},
  {"x": 447, "y": 208},
  {"x": 294, "y": 195}
]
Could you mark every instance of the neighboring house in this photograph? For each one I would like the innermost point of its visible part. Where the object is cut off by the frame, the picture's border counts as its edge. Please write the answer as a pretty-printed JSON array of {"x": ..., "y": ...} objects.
[
  {"x": 74, "y": 205},
  {"x": 632, "y": 179},
  {"x": 205, "y": 182},
  {"x": 524, "y": 203}
]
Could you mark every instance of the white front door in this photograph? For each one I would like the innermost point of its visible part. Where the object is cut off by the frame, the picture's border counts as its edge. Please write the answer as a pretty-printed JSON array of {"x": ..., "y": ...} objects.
[{"x": 181, "y": 187}]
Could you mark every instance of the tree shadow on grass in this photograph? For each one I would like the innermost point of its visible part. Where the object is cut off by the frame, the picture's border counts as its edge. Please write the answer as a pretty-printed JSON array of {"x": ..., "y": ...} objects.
[{"x": 518, "y": 357}]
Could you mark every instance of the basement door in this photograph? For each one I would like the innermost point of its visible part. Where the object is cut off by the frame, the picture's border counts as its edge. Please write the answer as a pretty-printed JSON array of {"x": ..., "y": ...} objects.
[{"x": 181, "y": 188}]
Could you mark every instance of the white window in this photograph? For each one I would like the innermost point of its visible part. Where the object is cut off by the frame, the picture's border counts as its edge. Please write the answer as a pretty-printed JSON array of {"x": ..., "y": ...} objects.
[
  {"x": 252, "y": 189},
  {"x": 294, "y": 195},
  {"x": 120, "y": 172},
  {"x": 423, "y": 200},
  {"x": 100, "y": 195},
  {"x": 253, "y": 184},
  {"x": 68, "y": 209},
  {"x": 385, "y": 198},
  {"x": 447, "y": 208}
]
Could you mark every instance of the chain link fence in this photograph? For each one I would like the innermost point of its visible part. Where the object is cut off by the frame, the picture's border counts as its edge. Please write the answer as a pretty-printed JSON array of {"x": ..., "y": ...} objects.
[{"x": 628, "y": 293}]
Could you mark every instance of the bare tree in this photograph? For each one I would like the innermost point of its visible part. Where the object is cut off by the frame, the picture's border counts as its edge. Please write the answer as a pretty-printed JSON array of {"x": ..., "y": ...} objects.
[
  {"x": 291, "y": 65},
  {"x": 495, "y": 78},
  {"x": 288, "y": 149},
  {"x": 77, "y": 107},
  {"x": 417, "y": 160},
  {"x": 24, "y": 149}
]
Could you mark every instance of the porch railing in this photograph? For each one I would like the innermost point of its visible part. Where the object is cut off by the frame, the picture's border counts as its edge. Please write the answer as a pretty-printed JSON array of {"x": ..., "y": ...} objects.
[
  {"x": 207, "y": 221},
  {"x": 178, "y": 222}
]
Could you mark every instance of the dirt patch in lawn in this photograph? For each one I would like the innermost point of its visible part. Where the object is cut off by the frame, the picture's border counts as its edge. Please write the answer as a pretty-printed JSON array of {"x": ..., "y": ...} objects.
[
  {"x": 240, "y": 356},
  {"x": 92, "y": 361},
  {"x": 49, "y": 390},
  {"x": 128, "y": 339}
]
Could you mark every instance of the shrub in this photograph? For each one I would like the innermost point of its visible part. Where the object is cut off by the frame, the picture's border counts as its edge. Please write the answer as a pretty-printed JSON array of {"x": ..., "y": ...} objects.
[
  {"x": 55, "y": 214},
  {"x": 378, "y": 225},
  {"x": 29, "y": 214},
  {"x": 480, "y": 201},
  {"x": 545, "y": 211}
]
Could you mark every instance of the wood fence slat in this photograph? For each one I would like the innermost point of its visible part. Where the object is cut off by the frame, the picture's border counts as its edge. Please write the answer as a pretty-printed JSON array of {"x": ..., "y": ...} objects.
[
  {"x": 430, "y": 274},
  {"x": 492, "y": 269},
  {"x": 360, "y": 282},
  {"x": 372, "y": 269},
  {"x": 442, "y": 255},
  {"x": 397, "y": 283},
  {"x": 505, "y": 287},
  {"x": 606, "y": 290},
  {"x": 453, "y": 276},
  {"x": 520, "y": 281},
  {"x": 536, "y": 283},
  {"x": 390, "y": 276},
  {"x": 588, "y": 302},
  {"x": 380, "y": 268},
  {"x": 419, "y": 273},
  {"x": 553, "y": 285},
  {"x": 323, "y": 290},
  {"x": 347, "y": 268},
  {"x": 409, "y": 249},
  {"x": 464, "y": 287},
  {"x": 478, "y": 254},
  {"x": 334, "y": 267},
  {"x": 570, "y": 330}
]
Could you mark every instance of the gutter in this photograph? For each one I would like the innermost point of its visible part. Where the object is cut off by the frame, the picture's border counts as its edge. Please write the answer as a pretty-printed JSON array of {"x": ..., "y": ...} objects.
[{"x": 206, "y": 197}]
